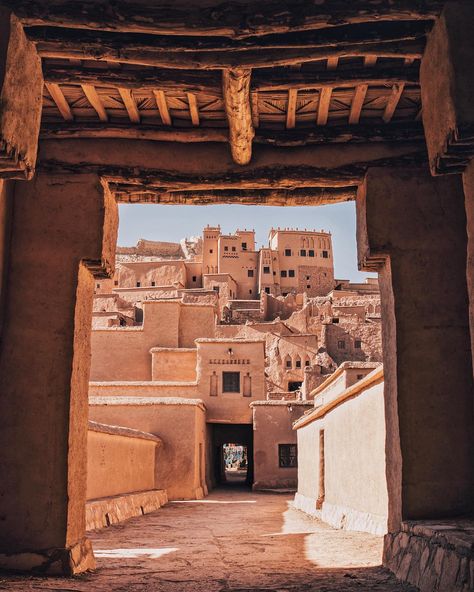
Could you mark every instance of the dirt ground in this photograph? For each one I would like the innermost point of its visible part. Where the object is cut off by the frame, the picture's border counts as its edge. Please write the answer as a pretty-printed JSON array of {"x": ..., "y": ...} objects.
[{"x": 233, "y": 540}]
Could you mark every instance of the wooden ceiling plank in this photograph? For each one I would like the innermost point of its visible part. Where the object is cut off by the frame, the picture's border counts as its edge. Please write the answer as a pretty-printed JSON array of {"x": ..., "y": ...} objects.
[
  {"x": 324, "y": 103},
  {"x": 162, "y": 105},
  {"x": 357, "y": 103},
  {"x": 370, "y": 61},
  {"x": 333, "y": 63},
  {"x": 94, "y": 99},
  {"x": 236, "y": 91},
  {"x": 392, "y": 102},
  {"x": 130, "y": 104},
  {"x": 60, "y": 100},
  {"x": 255, "y": 109},
  {"x": 193, "y": 108},
  {"x": 291, "y": 108}
]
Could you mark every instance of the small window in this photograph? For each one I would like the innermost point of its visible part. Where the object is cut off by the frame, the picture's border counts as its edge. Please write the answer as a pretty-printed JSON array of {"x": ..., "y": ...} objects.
[
  {"x": 303, "y": 253},
  {"x": 311, "y": 253},
  {"x": 307, "y": 277},
  {"x": 360, "y": 376},
  {"x": 284, "y": 294},
  {"x": 287, "y": 456},
  {"x": 357, "y": 343},
  {"x": 298, "y": 364},
  {"x": 244, "y": 246},
  {"x": 287, "y": 252},
  {"x": 97, "y": 285},
  {"x": 250, "y": 272},
  {"x": 267, "y": 290},
  {"x": 325, "y": 255},
  {"x": 288, "y": 363},
  {"x": 234, "y": 248},
  {"x": 250, "y": 291},
  {"x": 153, "y": 283},
  {"x": 308, "y": 286},
  {"x": 266, "y": 270},
  {"x": 226, "y": 248},
  {"x": 216, "y": 289},
  {"x": 116, "y": 283},
  {"x": 231, "y": 382},
  {"x": 283, "y": 273},
  {"x": 211, "y": 251},
  {"x": 291, "y": 273},
  {"x": 335, "y": 321},
  {"x": 341, "y": 344},
  {"x": 306, "y": 363},
  {"x": 294, "y": 385},
  {"x": 138, "y": 284},
  {"x": 194, "y": 278}
]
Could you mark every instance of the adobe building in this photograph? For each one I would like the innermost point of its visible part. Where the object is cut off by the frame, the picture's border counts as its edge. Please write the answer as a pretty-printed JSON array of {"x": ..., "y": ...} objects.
[{"x": 314, "y": 104}]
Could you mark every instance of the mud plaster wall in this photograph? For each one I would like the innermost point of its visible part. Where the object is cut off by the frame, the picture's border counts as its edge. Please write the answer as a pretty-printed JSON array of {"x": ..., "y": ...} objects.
[
  {"x": 118, "y": 464},
  {"x": 6, "y": 191},
  {"x": 176, "y": 425},
  {"x": 174, "y": 364}
]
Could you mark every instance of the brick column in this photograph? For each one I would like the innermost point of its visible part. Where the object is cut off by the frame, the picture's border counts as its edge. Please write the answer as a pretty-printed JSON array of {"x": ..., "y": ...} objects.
[
  {"x": 412, "y": 228},
  {"x": 63, "y": 234}
]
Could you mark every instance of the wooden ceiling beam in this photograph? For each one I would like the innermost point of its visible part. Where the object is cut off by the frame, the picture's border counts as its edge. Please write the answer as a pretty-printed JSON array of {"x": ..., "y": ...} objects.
[
  {"x": 60, "y": 100},
  {"x": 162, "y": 105},
  {"x": 404, "y": 40},
  {"x": 236, "y": 91},
  {"x": 94, "y": 99},
  {"x": 323, "y": 106},
  {"x": 193, "y": 108},
  {"x": 210, "y": 83},
  {"x": 291, "y": 108},
  {"x": 229, "y": 18},
  {"x": 392, "y": 102},
  {"x": 357, "y": 103},
  {"x": 130, "y": 104},
  {"x": 344, "y": 134}
]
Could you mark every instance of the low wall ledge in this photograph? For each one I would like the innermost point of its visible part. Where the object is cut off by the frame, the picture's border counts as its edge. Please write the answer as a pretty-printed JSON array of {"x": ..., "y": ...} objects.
[
  {"x": 145, "y": 401},
  {"x": 114, "y": 430}
]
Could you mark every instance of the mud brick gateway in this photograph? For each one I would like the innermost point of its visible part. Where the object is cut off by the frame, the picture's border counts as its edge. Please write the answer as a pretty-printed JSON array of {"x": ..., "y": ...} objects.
[{"x": 276, "y": 103}]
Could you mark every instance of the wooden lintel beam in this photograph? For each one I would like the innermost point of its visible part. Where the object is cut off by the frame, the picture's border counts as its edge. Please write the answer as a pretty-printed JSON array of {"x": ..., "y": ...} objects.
[
  {"x": 229, "y": 19},
  {"x": 193, "y": 109},
  {"x": 370, "y": 61},
  {"x": 323, "y": 107},
  {"x": 94, "y": 99},
  {"x": 236, "y": 91},
  {"x": 392, "y": 102},
  {"x": 195, "y": 54},
  {"x": 333, "y": 63},
  {"x": 130, "y": 104},
  {"x": 291, "y": 108},
  {"x": 209, "y": 83},
  {"x": 357, "y": 103},
  {"x": 275, "y": 197},
  {"x": 60, "y": 101},
  {"x": 346, "y": 134},
  {"x": 162, "y": 105}
]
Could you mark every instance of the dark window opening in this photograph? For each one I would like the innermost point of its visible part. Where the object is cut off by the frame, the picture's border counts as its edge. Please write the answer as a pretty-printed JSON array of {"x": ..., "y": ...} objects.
[
  {"x": 283, "y": 273},
  {"x": 335, "y": 320},
  {"x": 250, "y": 272},
  {"x": 298, "y": 363},
  {"x": 291, "y": 273},
  {"x": 216, "y": 289},
  {"x": 308, "y": 286},
  {"x": 360, "y": 376},
  {"x": 244, "y": 246},
  {"x": 357, "y": 344},
  {"x": 116, "y": 283},
  {"x": 267, "y": 290},
  {"x": 138, "y": 284},
  {"x": 266, "y": 270},
  {"x": 303, "y": 253},
  {"x": 97, "y": 285},
  {"x": 294, "y": 385},
  {"x": 211, "y": 251},
  {"x": 311, "y": 253},
  {"x": 287, "y": 456},
  {"x": 231, "y": 382},
  {"x": 306, "y": 363},
  {"x": 234, "y": 248},
  {"x": 341, "y": 344},
  {"x": 325, "y": 255},
  {"x": 250, "y": 291},
  {"x": 153, "y": 283},
  {"x": 288, "y": 363},
  {"x": 194, "y": 278},
  {"x": 287, "y": 252}
]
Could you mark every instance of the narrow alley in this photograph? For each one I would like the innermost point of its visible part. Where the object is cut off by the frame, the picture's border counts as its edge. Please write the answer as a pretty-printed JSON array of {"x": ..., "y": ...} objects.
[{"x": 233, "y": 540}]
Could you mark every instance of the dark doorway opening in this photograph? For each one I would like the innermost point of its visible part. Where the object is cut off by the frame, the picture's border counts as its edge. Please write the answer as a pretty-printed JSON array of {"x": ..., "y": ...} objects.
[
  {"x": 294, "y": 385},
  {"x": 231, "y": 448}
]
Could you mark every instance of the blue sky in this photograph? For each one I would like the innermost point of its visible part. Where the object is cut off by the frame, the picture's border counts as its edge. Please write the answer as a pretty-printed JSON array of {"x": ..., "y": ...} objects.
[{"x": 171, "y": 223}]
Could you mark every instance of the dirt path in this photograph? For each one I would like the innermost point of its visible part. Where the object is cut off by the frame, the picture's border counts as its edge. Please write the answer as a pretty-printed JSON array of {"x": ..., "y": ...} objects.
[{"x": 231, "y": 541}]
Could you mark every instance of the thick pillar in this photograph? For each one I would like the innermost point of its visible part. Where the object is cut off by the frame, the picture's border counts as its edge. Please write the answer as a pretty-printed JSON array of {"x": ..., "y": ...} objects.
[
  {"x": 21, "y": 89},
  {"x": 412, "y": 227},
  {"x": 63, "y": 233}
]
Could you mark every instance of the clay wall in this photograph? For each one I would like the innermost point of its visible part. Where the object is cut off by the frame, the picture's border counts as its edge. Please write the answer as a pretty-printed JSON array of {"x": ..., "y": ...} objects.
[
  {"x": 173, "y": 364},
  {"x": 272, "y": 425},
  {"x": 241, "y": 265},
  {"x": 193, "y": 274},
  {"x": 166, "y": 389},
  {"x": 5, "y": 205},
  {"x": 247, "y": 358},
  {"x": 147, "y": 274},
  {"x": 123, "y": 353},
  {"x": 119, "y": 461},
  {"x": 181, "y": 427},
  {"x": 355, "y": 486}
]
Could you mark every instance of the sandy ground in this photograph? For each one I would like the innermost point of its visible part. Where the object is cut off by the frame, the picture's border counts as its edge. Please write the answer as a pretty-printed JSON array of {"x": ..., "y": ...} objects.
[{"x": 233, "y": 540}]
